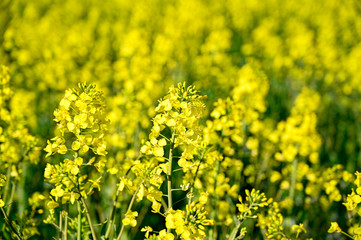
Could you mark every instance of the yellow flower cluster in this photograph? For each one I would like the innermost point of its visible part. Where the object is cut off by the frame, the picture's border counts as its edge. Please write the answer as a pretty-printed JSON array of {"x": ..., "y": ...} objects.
[
  {"x": 272, "y": 222},
  {"x": 16, "y": 143},
  {"x": 163, "y": 234},
  {"x": 233, "y": 131},
  {"x": 232, "y": 116},
  {"x": 17, "y": 146},
  {"x": 247, "y": 210},
  {"x": 82, "y": 113},
  {"x": 69, "y": 186},
  {"x": 5, "y": 91},
  {"x": 181, "y": 111},
  {"x": 130, "y": 218},
  {"x": 178, "y": 115},
  {"x": 327, "y": 180},
  {"x": 189, "y": 224},
  {"x": 251, "y": 137},
  {"x": 254, "y": 200},
  {"x": 354, "y": 198},
  {"x": 81, "y": 121},
  {"x": 298, "y": 134},
  {"x": 352, "y": 202}
]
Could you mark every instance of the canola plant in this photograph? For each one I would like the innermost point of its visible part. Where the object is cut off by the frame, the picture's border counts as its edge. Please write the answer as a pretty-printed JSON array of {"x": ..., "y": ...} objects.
[{"x": 193, "y": 119}]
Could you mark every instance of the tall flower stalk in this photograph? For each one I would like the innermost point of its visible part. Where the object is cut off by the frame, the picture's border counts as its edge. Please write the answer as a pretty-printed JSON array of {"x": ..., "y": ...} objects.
[{"x": 82, "y": 125}]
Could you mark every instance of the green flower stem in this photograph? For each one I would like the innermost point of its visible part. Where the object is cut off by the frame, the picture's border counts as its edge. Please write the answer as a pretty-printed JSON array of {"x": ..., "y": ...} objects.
[
  {"x": 213, "y": 231},
  {"x": 129, "y": 208},
  {"x": 264, "y": 167},
  {"x": 89, "y": 218},
  {"x": 112, "y": 216},
  {"x": 191, "y": 192},
  {"x": 239, "y": 223},
  {"x": 235, "y": 231},
  {"x": 346, "y": 234},
  {"x": 60, "y": 226},
  {"x": 8, "y": 221},
  {"x": 79, "y": 222},
  {"x": 65, "y": 234},
  {"x": 169, "y": 175},
  {"x": 142, "y": 214},
  {"x": 164, "y": 204},
  {"x": 7, "y": 185},
  {"x": 13, "y": 186},
  {"x": 56, "y": 226}
]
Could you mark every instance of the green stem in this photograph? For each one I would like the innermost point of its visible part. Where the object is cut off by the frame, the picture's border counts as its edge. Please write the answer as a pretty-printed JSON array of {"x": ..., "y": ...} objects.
[
  {"x": 191, "y": 192},
  {"x": 8, "y": 221},
  {"x": 244, "y": 216},
  {"x": 213, "y": 231},
  {"x": 65, "y": 234},
  {"x": 346, "y": 234},
  {"x": 79, "y": 222},
  {"x": 60, "y": 226},
  {"x": 142, "y": 214},
  {"x": 235, "y": 231},
  {"x": 89, "y": 218},
  {"x": 7, "y": 186},
  {"x": 112, "y": 216},
  {"x": 129, "y": 208},
  {"x": 169, "y": 175},
  {"x": 264, "y": 166},
  {"x": 11, "y": 198},
  {"x": 164, "y": 204}
]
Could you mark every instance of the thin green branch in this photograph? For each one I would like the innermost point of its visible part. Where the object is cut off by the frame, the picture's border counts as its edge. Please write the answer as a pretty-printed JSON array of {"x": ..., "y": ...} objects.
[
  {"x": 112, "y": 216},
  {"x": 346, "y": 234},
  {"x": 8, "y": 221},
  {"x": 60, "y": 226},
  {"x": 129, "y": 209},
  {"x": 65, "y": 234},
  {"x": 89, "y": 218},
  {"x": 79, "y": 222},
  {"x": 191, "y": 192},
  {"x": 7, "y": 185},
  {"x": 169, "y": 175},
  {"x": 213, "y": 231},
  {"x": 13, "y": 186}
]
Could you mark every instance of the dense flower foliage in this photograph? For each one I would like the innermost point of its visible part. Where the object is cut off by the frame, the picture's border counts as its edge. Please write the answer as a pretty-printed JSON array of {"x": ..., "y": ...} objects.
[{"x": 184, "y": 119}]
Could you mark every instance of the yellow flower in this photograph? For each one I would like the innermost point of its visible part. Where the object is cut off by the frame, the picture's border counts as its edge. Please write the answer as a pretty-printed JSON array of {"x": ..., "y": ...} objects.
[
  {"x": 156, "y": 206},
  {"x": 163, "y": 235},
  {"x": 52, "y": 204},
  {"x": 352, "y": 201},
  {"x": 130, "y": 218},
  {"x": 57, "y": 192},
  {"x": 2, "y": 180},
  {"x": 174, "y": 219},
  {"x": 299, "y": 228},
  {"x": 334, "y": 228},
  {"x": 147, "y": 230}
]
